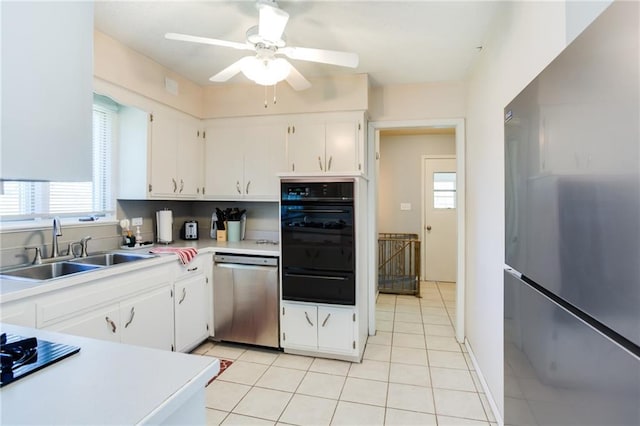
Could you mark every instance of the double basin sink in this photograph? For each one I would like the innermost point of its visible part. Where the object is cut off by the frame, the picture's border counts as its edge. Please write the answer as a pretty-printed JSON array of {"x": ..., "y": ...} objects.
[{"x": 62, "y": 268}]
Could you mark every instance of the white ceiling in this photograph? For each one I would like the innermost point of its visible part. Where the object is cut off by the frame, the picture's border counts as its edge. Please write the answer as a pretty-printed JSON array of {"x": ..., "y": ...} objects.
[{"x": 399, "y": 42}]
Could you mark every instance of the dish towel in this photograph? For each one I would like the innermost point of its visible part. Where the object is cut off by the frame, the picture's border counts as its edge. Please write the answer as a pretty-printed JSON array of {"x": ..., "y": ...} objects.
[{"x": 185, "y": 254}]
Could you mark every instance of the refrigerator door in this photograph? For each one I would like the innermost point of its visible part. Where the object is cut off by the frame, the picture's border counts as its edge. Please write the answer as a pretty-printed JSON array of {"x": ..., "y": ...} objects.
[
  {"x": 561, "y": 371},
  {"x": 572, "y": 173}
]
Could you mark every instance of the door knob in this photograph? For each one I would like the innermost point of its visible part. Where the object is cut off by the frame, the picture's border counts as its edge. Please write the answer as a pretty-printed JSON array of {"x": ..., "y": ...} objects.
[{"x": 428, "y": 227}]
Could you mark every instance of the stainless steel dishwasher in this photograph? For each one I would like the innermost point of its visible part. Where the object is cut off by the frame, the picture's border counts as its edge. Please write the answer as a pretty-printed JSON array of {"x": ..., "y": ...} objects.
[{"x": 245, "y": 299}]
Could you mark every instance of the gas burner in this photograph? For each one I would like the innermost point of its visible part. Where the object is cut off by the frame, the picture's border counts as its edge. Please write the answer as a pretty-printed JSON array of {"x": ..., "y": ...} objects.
[
  {"x": 272, "y": 242},
  {"x": 22, "y": 356}
]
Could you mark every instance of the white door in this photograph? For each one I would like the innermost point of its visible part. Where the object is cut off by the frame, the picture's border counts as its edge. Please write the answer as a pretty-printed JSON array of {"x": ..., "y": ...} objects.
[
  {"x": 298, "y": 325},
  {"x": 335, "y": 329},
  {"x": 190, "y": 307},
  {"x": 147, "y": 320},
  {"x": 439, "y": 242}
]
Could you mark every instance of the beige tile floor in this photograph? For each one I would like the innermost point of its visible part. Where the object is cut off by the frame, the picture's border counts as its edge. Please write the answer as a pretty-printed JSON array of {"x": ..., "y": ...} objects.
[{"x": 413, "y": 373}]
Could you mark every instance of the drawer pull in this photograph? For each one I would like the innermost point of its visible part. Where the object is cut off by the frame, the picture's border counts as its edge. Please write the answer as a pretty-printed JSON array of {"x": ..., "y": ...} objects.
[
  {"x": 325, "y": 320},
  {"x": 111, "y": 323},
  {"x": 184, "y": 294},
  {"x": 133, "y": 314},
  {"x": 306, "y": 315}
]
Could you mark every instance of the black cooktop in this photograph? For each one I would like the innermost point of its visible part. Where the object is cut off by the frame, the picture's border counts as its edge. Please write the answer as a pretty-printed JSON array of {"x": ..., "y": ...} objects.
[{"x": 22, "y": 356}]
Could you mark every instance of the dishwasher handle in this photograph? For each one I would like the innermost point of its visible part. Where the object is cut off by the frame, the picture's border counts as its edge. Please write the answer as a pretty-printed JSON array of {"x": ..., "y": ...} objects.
[{"x": 222, "y": 259}]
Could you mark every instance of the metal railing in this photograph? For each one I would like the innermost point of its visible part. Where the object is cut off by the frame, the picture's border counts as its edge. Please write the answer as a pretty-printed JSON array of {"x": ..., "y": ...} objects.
[{"x": 399, "y": 263}]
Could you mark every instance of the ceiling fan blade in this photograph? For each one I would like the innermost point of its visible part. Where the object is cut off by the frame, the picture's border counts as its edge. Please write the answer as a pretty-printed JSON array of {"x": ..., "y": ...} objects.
[
  {"x": 333, "y": 57},
  {"x": 205, "y": 40},
  {"x": 272, "y": 22},
  {"x": 297, "y": 80},
  {"x": 230, "y": 71}
]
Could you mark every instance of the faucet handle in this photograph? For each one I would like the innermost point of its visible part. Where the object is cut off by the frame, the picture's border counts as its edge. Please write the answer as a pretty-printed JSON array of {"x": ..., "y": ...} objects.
[
  {"x": 37, "y": 260},
  {"x": 83, "y": 242}
]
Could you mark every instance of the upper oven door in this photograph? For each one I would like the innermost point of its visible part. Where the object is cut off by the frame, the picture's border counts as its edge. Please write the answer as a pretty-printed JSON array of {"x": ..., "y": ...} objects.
[{"x": 318, "y": 236}]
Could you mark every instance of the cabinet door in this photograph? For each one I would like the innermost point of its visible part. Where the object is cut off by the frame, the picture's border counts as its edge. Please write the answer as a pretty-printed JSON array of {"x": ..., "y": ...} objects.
[
  {"x": 264, "y": 158},
  {"x": 299, "y": 326},
  {"x": 306, "y": 147},
  {"x": 190, "y": 307},
  {"x": 103, "y": 324},
  {"x": 224, "y": 162},
  {"x": 147, "y": 320},
  {"x": 342, "y": 146},
  {"x": 189, "y": 158},
  {"x": 336, "y": 329},
  {"x": 164, "y": 137},
  {"x": 19, "y": 313}
]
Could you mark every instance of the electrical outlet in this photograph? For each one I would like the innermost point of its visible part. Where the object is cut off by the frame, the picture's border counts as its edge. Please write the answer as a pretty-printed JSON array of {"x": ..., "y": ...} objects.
[
  {"x": 403, "y": 206},
  {"x": 136, "y": 221}
]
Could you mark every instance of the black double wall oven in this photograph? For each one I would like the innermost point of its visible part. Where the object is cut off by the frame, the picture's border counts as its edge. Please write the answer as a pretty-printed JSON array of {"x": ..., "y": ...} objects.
[{"x": 318, "y": 241}]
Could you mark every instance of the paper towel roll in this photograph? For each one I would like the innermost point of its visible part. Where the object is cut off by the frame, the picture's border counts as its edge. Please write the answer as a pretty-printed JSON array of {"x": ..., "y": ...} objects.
[{"x": 164, "y": 223}]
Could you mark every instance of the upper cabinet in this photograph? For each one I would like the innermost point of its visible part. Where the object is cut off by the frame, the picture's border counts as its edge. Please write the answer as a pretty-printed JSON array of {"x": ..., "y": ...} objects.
[
  {"x": 47, "y": 80},
  {"x": 176, "y": 155},
  {"x": 331, "y": 142},
  {"x": 160, "y": 154},
  {"x": 243, "y": 158}
]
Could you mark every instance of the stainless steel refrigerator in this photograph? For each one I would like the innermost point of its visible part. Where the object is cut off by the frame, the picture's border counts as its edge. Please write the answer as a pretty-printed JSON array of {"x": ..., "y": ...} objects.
[{"x": 572, "y": 237}]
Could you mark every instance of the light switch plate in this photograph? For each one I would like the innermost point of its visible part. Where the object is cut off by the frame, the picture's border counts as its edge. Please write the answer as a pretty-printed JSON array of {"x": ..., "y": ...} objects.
[
  {"x": 136, "y": 221},
  {"x": 405, "y": 206}
]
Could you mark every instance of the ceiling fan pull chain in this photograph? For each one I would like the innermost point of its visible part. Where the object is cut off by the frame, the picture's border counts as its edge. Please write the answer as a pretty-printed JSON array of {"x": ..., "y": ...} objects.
[
  {"x": 274, "y": 94},
  {"x": 265, "y": 96}
]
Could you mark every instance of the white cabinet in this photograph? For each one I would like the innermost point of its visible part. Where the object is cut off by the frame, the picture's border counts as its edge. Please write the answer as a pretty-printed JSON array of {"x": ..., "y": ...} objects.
[
  {"x": 176, "y": 155},
  {"x": 320, "y": 143},
  {"x": 147, "y": 320},
  {"x": 19, "y": 313},
  {"x": 191, "y": 303},
  {"x": 243, "y": 158},
  {"x": 318, "y": 328},
  {"x": 47, "y": 91},
  {"x": 135, "y": 307},
  {"x": 160, "y": 154}
]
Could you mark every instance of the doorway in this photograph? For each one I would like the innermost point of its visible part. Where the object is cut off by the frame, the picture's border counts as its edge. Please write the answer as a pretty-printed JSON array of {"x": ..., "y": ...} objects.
[
  {"x": 439, "y": 218},
  {"x": 373, "y": 142}
]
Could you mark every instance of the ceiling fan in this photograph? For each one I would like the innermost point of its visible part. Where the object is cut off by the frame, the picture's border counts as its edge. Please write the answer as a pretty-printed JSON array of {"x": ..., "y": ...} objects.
[{"x": 266, "y": 39}]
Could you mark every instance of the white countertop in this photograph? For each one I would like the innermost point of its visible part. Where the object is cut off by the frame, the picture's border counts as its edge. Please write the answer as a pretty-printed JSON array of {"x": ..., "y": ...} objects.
[
  {"x": 11, "y": 290},
  {"x": 105, "y": 383}
]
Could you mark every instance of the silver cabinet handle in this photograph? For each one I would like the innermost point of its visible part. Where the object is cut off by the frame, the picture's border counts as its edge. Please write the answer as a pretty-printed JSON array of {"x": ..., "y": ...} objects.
[
  {"x": 175, "y": 185},
  {"x": 320, "y": 163},
  {"x": 329, "y": 165},
  {"x": 181, "y": 185},
  {"x": 247, "y": 190},
  {"x": 133, "y": 314},
  {"x": 184, "y": 294},
  {"x": 195, "y": 268},
  {"x": 306, "y": 315},
  {"x": 111, "y": 323},
  {"x": 325, "y": 320},
  {"x": 238, "y": 187}
]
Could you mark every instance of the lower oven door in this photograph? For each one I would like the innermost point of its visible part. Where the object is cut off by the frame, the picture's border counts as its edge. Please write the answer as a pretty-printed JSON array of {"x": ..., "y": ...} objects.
[{"x": 314, "y": 286}]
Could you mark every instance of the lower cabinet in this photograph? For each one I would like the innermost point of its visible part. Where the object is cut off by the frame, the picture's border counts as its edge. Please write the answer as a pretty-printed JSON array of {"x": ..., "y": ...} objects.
[
  {"x": 144, "y": 320},
  {"x": 19, "y": 313},
  {"x": 190, "y": 310},
  {"x": 318, "y": 328}
]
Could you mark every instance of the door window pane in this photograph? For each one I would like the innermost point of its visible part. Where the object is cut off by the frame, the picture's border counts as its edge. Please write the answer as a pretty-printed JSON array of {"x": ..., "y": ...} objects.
[{"x": 444, "y": 190}]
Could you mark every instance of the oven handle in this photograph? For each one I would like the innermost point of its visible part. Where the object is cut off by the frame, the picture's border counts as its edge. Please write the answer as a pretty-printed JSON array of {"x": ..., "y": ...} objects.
[
  {"x": 324, "y": 277},
  {"x": 318, "y": 210}
]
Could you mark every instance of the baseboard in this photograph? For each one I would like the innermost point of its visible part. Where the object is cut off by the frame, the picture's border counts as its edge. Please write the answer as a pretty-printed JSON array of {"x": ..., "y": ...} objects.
[{"x": 485, "y": 387}]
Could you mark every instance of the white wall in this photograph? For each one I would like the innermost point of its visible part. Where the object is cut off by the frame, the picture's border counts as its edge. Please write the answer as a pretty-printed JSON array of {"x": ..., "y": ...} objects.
[
  {"x": 400, "y": 176},
  {"x": 526, "y": 37}
]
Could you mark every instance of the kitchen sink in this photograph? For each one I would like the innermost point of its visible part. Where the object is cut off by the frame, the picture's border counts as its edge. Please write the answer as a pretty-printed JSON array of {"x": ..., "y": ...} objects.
[
  {"x": 110, "y": 259},
  {"x": 48, "y": 271}
]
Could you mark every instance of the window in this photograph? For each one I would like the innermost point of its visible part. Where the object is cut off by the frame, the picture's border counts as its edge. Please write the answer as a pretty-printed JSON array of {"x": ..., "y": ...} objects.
[
  {"x": 444, "y": 190},
  {"x": 21, "y": 201}
]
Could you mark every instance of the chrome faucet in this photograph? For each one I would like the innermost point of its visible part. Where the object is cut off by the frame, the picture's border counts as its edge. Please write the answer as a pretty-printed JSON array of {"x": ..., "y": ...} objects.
[{"x": 57, "y": 232}]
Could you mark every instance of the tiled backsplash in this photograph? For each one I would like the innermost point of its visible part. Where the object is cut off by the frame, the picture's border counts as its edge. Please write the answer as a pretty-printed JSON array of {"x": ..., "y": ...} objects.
[{"x": 262, "y": 217}]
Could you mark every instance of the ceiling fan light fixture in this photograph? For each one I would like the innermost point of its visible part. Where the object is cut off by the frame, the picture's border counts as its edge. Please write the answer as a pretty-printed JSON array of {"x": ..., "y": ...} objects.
[{"x": 266, "y": 71}]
